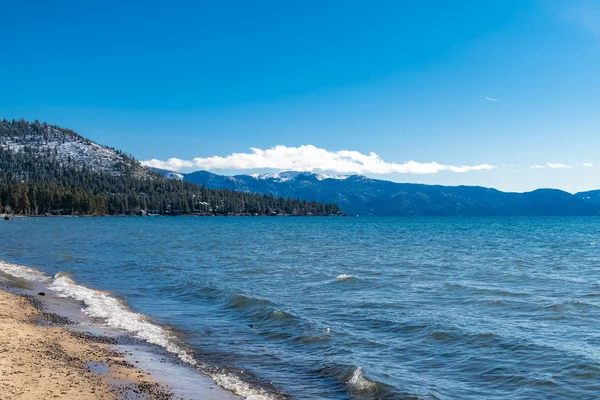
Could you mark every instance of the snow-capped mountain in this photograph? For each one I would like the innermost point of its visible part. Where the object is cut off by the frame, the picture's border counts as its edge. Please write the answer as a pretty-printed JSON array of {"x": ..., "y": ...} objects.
[
  {"x": 361, "y": 195},
  {"x": 168, "y": 174},
  {"x": 291, "y": 175}
]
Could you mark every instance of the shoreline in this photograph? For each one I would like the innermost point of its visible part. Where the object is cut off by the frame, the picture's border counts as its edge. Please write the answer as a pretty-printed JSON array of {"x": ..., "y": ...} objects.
[
  {"x": 13, "y": 216},
  {"x": 49, "y": 349},
  {"x": 41, "y": 358}
]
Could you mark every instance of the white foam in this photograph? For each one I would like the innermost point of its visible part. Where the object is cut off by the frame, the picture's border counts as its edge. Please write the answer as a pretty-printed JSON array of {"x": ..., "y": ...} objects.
[
  {"x": 359, "y": 383},
  {"x": 20, "y": 271},
  {"x": 239, "y": 387},
  {"x": 344, "y": 277},
  {"x": 117, "y": 315}
]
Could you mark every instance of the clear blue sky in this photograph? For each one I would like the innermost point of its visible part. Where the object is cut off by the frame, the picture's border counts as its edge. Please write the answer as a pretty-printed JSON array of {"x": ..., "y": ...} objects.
[{"x": 407, "y": 80}]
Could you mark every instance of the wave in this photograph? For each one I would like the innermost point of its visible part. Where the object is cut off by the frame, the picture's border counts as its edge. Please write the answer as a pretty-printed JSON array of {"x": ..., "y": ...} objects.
[
  {"x": 345, "y": 277},
  {"x": 241, "y": 388},
  {"x": 484, "y": 289},
  {"x": 20, "y": 271},
  {"x": 235, "y": 300},
  {"x": 282, "y": 315},
  {"x": 358, "y": 383},
  {"x": 561, "y": 306},
  {"x": 116, "y": 315},
  {"x": 256, "y": 309}
]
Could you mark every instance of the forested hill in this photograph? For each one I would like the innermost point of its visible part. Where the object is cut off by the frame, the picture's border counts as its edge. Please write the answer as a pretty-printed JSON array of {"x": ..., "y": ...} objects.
[{"x": 46, "y": 169}]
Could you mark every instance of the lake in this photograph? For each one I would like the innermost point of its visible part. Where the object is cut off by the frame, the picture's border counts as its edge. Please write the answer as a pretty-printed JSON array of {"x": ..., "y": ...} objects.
[{"x": 341, "y": 308}]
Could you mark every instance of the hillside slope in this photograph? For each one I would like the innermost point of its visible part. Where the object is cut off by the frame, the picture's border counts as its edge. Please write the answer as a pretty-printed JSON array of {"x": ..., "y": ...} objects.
[
  {"x": 46, "y": 169},
  {"x": 68, "y": 148}
]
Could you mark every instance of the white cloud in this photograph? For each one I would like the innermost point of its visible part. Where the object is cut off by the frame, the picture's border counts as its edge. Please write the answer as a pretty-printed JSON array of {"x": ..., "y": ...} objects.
[
  {"x": 492, "y": 99},
  {"x": 536, "y": 166},
  {"x": 587, "y": 164},
  {"x": 558, "y": 165},
  {"x": 310, "y": 158},
  {"x": 173, "y": 164}
]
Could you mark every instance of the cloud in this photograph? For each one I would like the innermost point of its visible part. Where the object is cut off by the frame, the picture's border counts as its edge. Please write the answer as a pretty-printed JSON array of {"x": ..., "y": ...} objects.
[
  {"x": 558, "y": 165},
  {"x": 587, "y": 164},
  {"x": 311, "y": 158},
  {"x": 492, "y": 99},
  {"x": 536, "y": 166}
]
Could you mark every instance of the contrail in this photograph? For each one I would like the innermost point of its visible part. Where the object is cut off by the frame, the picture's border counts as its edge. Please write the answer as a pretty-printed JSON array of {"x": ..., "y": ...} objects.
[{"x": 490, "y": 99}]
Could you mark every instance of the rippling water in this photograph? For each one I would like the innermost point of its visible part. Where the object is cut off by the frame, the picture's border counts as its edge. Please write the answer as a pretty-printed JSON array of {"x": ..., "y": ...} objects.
[{"x": 365, "y": 308}]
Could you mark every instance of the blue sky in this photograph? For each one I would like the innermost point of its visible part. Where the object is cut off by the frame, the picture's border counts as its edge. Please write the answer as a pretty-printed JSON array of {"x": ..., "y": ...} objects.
[{"x": 328, "y": 82}]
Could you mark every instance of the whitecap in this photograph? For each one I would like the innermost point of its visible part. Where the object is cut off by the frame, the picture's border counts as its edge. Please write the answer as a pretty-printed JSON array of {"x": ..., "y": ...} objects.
[
  {"x": 20, "y": 271},
  {"x": 116, "y": 315},
  {"x": 239, "y": 387},
  {"x": 358, "y": 383}
]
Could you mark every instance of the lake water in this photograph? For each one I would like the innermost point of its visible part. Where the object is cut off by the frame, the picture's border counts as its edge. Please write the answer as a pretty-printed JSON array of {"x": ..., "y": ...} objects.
[{"x": 340, "y": 308}]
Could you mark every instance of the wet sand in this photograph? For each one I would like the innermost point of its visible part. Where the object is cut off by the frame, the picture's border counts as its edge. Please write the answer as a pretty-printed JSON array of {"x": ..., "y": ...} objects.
[{"x": 40, "y": 359}]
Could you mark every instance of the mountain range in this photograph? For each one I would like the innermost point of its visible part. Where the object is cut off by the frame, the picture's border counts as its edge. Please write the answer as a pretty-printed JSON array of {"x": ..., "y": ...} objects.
[
  {"x": 360, "y": 195},
  {"x": 49, "y": 169}
]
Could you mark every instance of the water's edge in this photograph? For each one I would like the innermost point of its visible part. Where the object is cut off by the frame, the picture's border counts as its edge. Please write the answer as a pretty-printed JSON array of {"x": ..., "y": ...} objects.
[{"x": 168, "y": 364}]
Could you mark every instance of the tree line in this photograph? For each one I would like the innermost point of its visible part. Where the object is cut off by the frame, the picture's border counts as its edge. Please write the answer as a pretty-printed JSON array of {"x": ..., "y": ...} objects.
[{"x": 38, "y": 183}]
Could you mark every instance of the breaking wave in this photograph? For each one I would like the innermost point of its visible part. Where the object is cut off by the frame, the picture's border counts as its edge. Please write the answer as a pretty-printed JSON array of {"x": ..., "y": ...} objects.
[
  {"x": 115, "y": 314},
  {"x": 20, "y": 271},
  {"x": 358, "y": 383},
  {"x": 361, "y": 387}
]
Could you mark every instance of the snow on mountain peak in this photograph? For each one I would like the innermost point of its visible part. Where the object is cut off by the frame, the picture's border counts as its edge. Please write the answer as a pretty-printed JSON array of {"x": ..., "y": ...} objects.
[{"x": 285, "y": 176}]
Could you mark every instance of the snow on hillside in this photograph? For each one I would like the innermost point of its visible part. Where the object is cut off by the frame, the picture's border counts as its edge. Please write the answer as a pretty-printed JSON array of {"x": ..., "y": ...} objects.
[
  {"x": 70, "y": 149},
  {"x": 173, "y": 175},
  {"x": 278, "y": 176},
  {"x": 325, "y": 176}
]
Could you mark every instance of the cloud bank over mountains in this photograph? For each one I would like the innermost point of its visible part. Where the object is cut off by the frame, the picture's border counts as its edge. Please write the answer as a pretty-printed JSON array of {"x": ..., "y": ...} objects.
[{"x": 310, "y": 158}]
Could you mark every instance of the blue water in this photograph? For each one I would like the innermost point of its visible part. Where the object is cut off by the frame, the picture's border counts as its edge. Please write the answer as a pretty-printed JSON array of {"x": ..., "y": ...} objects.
[{"x": 344, "y": 308}]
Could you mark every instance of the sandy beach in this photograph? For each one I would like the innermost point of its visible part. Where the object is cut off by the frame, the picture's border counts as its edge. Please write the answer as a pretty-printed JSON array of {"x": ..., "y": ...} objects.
[{"x": 39, "y": 359}]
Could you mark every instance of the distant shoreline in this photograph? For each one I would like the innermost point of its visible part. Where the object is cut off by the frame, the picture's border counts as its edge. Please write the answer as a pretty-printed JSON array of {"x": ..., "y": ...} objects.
[{"x": 11, "y": 216}]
